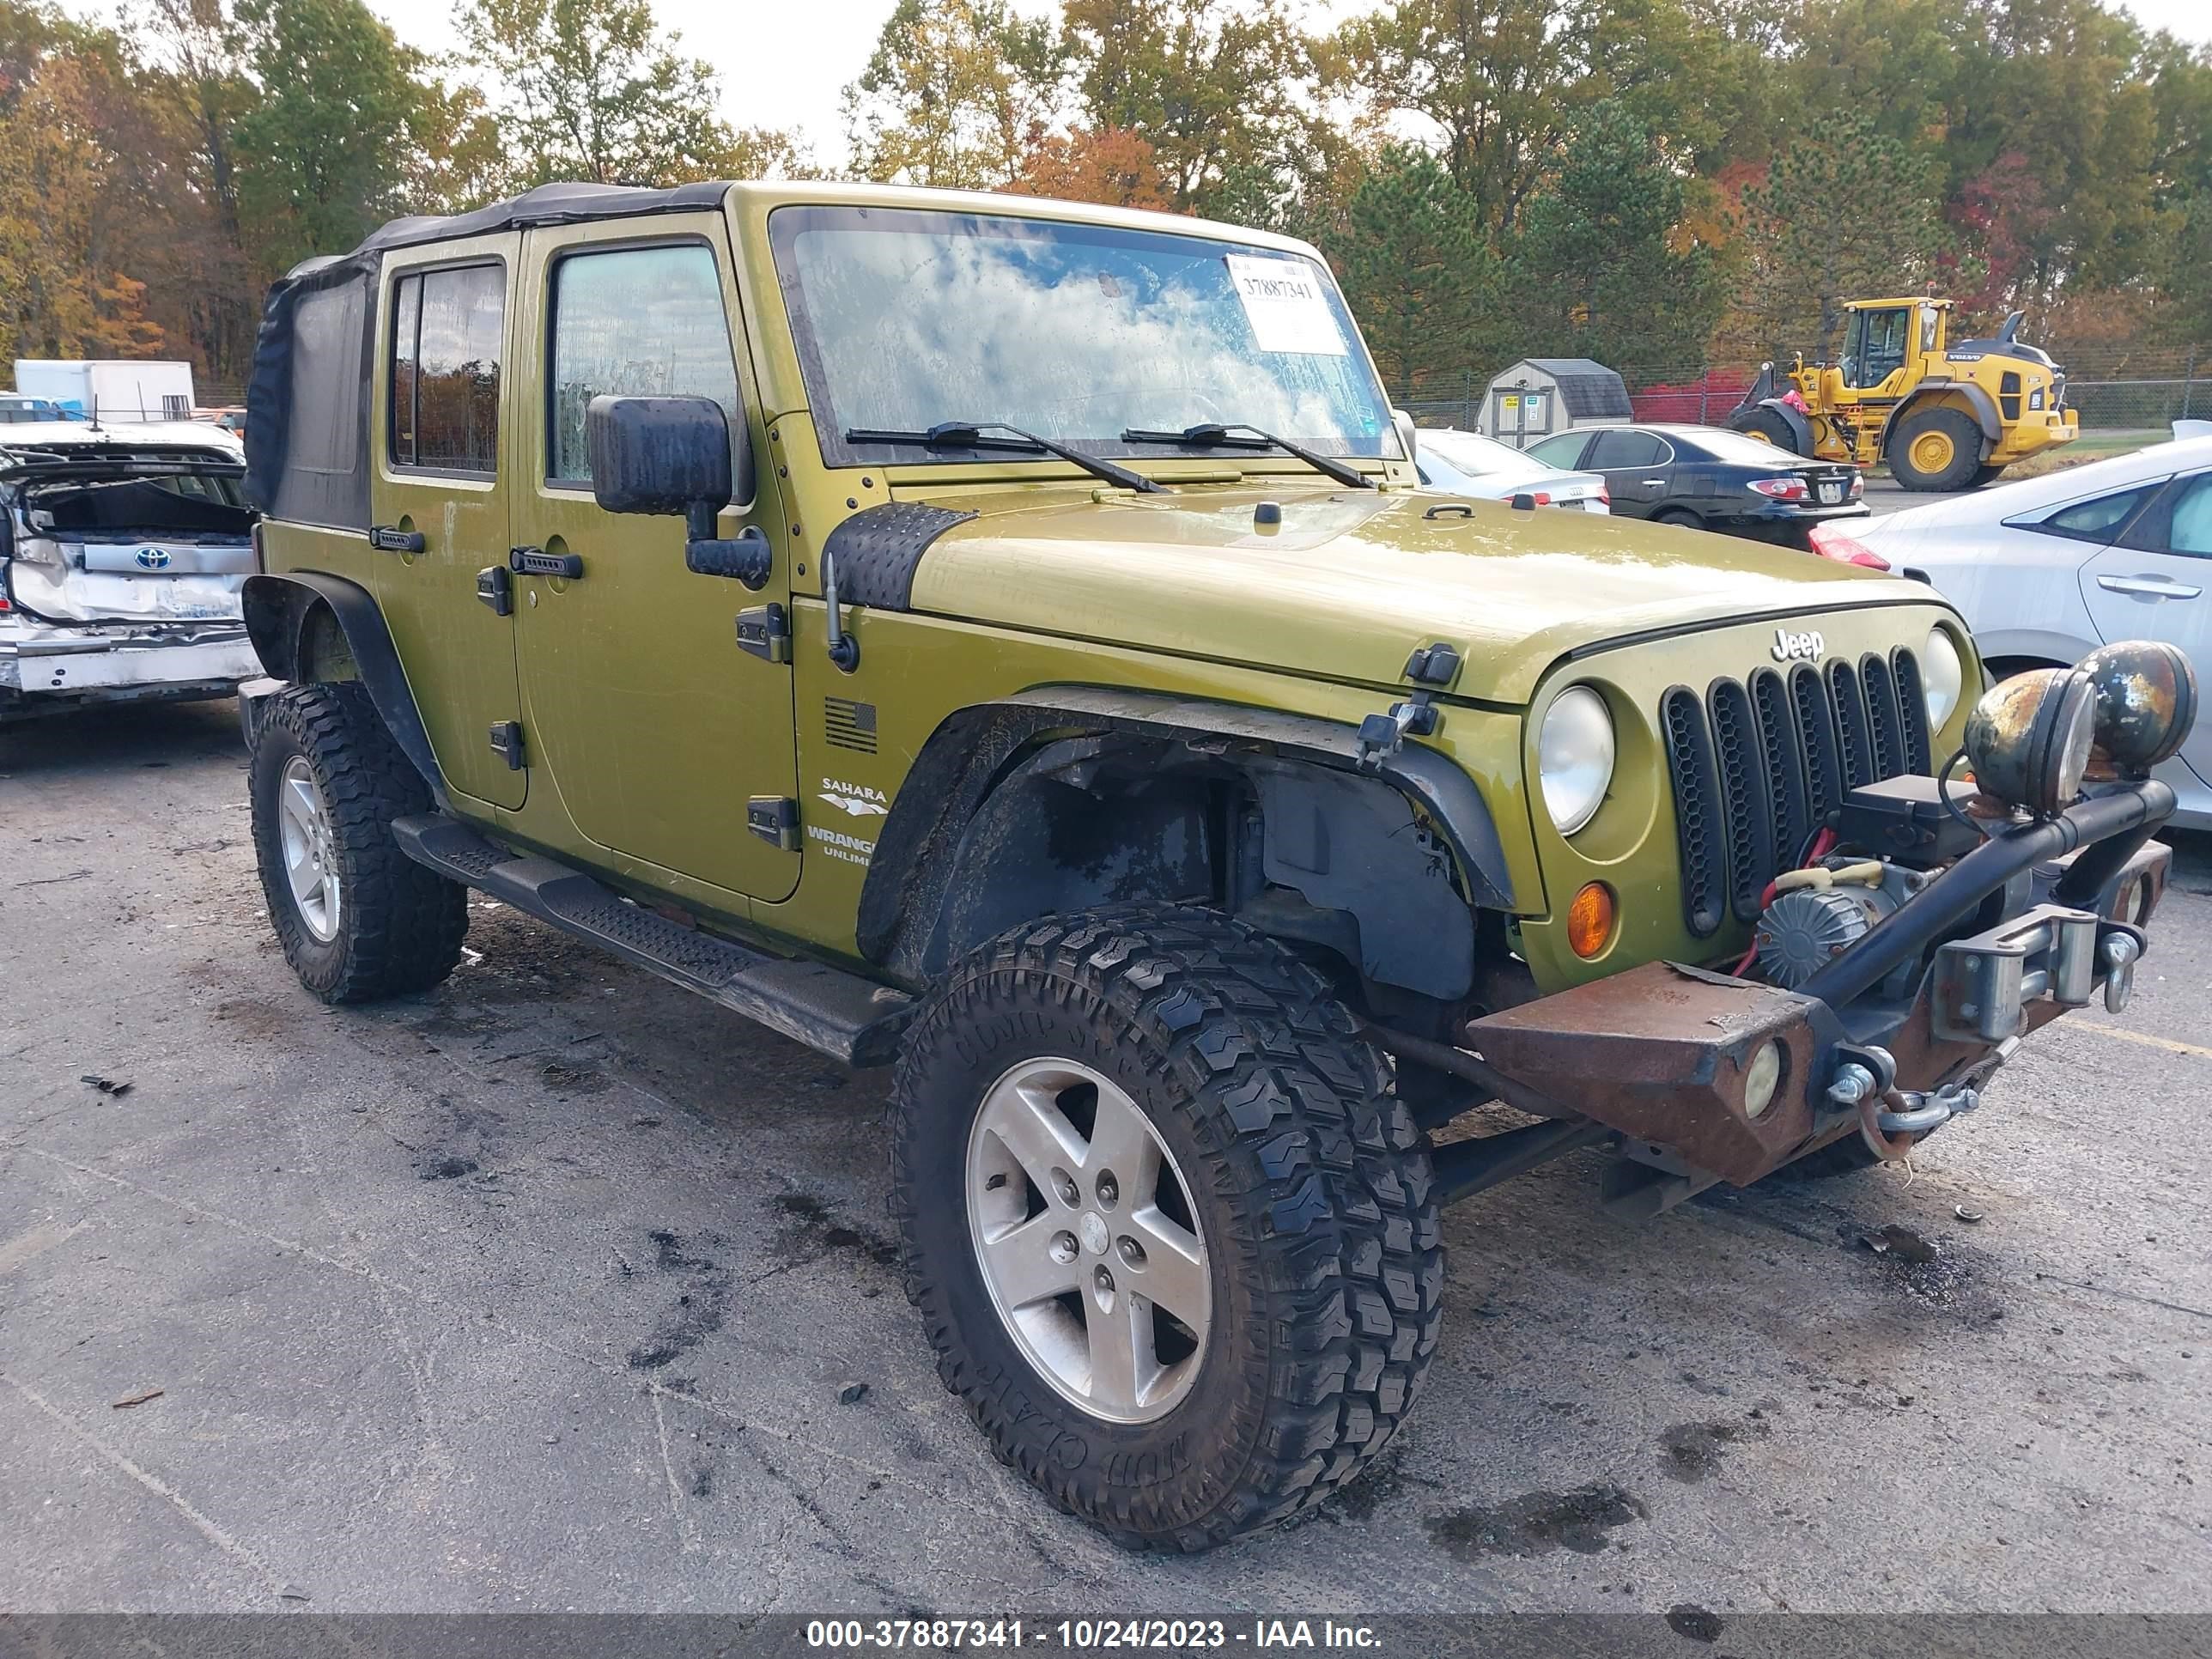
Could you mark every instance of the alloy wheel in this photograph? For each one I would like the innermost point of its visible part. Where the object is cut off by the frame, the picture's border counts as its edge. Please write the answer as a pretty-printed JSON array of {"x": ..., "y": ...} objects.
[{"x": 1087, "y": 1240}]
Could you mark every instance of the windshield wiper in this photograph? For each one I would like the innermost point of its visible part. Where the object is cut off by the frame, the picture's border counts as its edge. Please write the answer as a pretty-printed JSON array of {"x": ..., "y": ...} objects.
[
  {"x": 969, "y": 434},
  {"x": 1215, "y": 434}
]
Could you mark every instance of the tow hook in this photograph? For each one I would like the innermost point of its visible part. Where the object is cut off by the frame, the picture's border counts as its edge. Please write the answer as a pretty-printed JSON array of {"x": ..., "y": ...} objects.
[
  {"x": 1867, "y": 1084},
  {"x": 2119, "y": 951}
]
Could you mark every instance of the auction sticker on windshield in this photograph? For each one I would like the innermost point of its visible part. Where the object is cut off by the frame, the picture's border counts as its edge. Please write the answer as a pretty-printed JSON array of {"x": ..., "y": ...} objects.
[{"x": 1288, "y": 311}]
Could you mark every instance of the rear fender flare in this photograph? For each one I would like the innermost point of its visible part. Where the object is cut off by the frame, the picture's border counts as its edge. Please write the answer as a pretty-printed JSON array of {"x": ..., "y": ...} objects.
[
  {"x": 1982, "y": 405},
  {"x": 978, "y": 750},
  {"x": 279, "y": 610}
]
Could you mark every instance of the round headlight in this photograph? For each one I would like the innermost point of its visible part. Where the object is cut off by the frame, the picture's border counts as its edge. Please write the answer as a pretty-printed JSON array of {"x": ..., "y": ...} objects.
[
  {"x": 1574, "y": 758},
  {"x": 2028, "y": 737},
  {"x": 1943, "y": 676},
  {"x": 2146, "y": 702}
]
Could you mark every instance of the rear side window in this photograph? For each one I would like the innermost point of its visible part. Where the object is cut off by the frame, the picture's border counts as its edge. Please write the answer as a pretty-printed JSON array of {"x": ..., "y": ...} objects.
[
  {"x": 1565, "y": 450},
  {"x": 2101, "y": 519},
  {"x": 447, "y": 330},
  {"x": 636, "y": 322},
  {"x": 1620, "y": 449}
]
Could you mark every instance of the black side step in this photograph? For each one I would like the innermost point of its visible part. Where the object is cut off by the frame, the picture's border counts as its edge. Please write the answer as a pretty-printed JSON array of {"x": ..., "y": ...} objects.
[{"x": 839, "y": 1014}]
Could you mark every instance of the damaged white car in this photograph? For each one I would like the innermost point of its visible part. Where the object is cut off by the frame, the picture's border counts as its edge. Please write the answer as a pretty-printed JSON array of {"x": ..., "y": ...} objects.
[{"x": 122, "y": 554}]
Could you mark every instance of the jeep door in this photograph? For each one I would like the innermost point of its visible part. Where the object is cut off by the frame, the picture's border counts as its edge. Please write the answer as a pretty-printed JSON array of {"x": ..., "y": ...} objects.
[
  {"x": 656, "y": 729},
  {"x": 440, "y": 496}
]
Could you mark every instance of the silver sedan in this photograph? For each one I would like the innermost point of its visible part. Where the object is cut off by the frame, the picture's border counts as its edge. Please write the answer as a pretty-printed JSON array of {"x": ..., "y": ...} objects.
[
  {"x": 1468, "y": 463},
  {"x": 2047, "y": 569}
]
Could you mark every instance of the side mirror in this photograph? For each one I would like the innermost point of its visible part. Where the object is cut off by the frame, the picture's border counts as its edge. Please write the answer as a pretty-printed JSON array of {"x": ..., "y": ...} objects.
[
  {"x": 672, "y": 456},
  {"x": 1403, "y": 423}
]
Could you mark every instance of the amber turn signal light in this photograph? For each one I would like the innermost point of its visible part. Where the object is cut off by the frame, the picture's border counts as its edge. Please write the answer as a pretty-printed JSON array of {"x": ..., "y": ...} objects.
[{"x": 1589, "y": 919}]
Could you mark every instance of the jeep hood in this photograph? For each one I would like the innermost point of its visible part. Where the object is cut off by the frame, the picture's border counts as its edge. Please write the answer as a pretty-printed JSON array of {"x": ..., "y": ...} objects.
[{"x": 1350, "y": 583}]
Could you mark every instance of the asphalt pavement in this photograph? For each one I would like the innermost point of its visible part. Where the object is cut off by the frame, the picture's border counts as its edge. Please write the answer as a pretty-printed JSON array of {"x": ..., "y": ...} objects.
[{"x": 552, "y": 1289}]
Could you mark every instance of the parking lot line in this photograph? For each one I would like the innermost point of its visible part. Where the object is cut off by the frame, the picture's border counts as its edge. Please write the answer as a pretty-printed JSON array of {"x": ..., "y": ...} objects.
[{"x": 2169, "y": 1044}]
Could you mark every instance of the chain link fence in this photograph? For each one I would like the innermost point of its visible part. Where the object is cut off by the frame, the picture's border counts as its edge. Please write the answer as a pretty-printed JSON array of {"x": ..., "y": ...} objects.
[{"x": 2113, "y": 390}]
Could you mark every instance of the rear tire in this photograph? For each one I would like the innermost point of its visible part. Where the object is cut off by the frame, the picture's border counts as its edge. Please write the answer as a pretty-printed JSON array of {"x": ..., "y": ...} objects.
[
  {"x": 1767, "y": 424},
  {"x": 1679, "y": 515},
  {"x": 1987, "y": 474},
  {"x": 1936, "y": 449},
  {"x": 1279, "y": 1151},
  {"x": 358, "y": 920}
]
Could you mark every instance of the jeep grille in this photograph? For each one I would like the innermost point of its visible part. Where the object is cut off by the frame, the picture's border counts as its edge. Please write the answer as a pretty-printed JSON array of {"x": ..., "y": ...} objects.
[{"x": 1756, "y": 767}]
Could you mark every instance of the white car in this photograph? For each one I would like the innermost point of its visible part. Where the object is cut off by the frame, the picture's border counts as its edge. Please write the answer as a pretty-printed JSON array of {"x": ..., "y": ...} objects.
[
  {"x": 1469, "y": 463},
  {"x": 2047, "y": 569},
  {"x": 124, "y": 551}
]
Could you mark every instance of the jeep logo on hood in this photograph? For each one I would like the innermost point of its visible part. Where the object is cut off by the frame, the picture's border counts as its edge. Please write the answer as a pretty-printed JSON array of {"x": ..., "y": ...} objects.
[
  {"x": 152, "y": 558},
  {"x": 1798, "y": 648}
]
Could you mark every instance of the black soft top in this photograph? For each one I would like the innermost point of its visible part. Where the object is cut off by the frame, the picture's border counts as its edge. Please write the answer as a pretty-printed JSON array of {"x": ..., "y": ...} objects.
[
  {"x": 548, "y": 204},
  {"x": 306, "y": 405}
]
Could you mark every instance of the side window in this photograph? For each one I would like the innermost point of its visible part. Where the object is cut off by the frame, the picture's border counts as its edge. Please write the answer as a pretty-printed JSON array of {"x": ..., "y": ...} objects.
[
  {"x": 1617, "y": 450},
  {"x": 447, "y": 328},
  {"x": 1929, "y": 316},
  {"x": 2101, "y": 519},
  {"x": 2182, "y": 523},
  {"x": 638, "y": 322},
  {"x": 1564, "y": 452}
]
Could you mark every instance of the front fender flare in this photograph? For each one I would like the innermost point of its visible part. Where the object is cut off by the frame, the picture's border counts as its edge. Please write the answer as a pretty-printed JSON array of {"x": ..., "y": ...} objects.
[
  {"x": 971, "y": 751},
  {"x": 278, "y": 606}
]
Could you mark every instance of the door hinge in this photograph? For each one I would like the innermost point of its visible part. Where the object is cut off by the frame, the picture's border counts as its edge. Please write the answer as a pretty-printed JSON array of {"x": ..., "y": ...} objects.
[
  {"x": 765, "y": 632},
  {"x": 774, "y": 819},
  {"x": 496, "y": 587},
  {"x": 506, "y": 742}
]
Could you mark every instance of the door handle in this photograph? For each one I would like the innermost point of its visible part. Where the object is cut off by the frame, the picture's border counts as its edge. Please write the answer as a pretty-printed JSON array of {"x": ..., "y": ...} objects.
[
  {"x": 537, "y": 562},
  {"x": 389, "y": 538},
  {"x": 2149, "y": 588},
  {"x": 1655, "y": 484}
]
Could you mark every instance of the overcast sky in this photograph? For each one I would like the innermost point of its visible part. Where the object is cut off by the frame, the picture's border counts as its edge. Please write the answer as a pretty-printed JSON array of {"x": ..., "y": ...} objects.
[{"x": 784, "y": 65}]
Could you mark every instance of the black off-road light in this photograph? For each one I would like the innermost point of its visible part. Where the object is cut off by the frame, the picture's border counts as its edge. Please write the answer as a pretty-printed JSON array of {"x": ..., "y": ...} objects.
[
  {"x": 2028, "y": 737},
  {"x": 2146, "y": 703}
]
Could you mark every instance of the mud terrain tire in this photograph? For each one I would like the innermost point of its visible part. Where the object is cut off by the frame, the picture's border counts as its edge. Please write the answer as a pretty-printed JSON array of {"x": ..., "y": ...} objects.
[
  {"x": 1307, "y": 1185},
  {"x": 394, "y": 927}
]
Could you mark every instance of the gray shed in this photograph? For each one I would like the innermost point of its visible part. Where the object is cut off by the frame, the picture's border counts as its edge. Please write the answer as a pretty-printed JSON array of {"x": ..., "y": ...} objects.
[{"x": 1539, "y": 396}]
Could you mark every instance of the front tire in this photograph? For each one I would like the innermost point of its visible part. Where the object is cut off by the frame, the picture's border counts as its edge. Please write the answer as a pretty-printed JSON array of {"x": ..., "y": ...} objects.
[
  {"x": 1767, "y": 424},
  {"x": 1182, "y": 1121},
  {"x": 1936, "y": 449},
  {"x": 358, "y": 920}
]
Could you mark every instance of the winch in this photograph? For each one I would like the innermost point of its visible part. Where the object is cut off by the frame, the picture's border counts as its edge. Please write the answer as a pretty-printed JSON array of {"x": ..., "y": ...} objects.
[{"x": 1818, "y": 912}]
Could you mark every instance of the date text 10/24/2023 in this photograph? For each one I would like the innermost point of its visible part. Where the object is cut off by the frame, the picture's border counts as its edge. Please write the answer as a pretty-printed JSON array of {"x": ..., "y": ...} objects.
[{"x": 1173, "y": 1635}]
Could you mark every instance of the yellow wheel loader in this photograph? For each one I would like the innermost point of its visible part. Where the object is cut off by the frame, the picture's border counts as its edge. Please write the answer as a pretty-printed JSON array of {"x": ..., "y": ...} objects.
[{"x": 1944, "y": 417}]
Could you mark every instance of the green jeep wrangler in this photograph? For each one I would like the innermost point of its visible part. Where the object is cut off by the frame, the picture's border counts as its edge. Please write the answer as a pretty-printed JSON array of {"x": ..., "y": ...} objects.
[{"x": 1008, "y": 640}]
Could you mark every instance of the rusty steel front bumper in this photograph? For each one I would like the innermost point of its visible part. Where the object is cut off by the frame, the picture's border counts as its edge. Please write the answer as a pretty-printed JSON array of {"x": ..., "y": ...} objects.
[{"x": 2040, "y": 918}]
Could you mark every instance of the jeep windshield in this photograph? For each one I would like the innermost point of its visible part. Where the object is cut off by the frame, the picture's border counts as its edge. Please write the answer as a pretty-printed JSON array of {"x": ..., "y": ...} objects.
[{"x": 908, "y": 319}]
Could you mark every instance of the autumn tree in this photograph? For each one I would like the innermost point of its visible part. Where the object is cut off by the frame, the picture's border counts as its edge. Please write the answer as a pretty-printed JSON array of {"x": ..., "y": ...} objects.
[
  {"x": 1110, "y": 165},
  {"x": 955, "y": 95},
  {"x": 1214, "y": 87},
  {"x": 1603, "y": 266},
  {"x": 1495, "y": 78},
  {"x": 62, "y": 291},
  {"x": 593, "y": 90}
]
